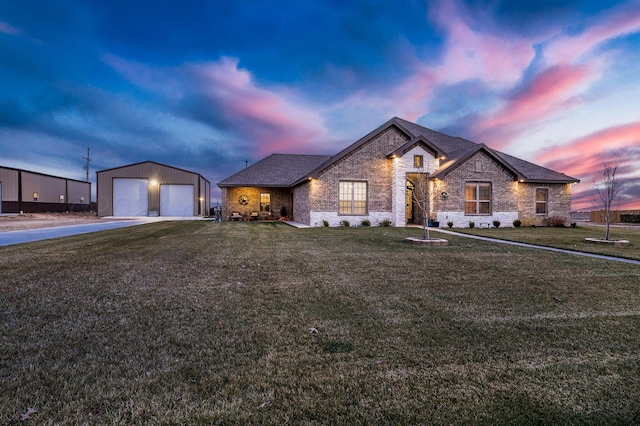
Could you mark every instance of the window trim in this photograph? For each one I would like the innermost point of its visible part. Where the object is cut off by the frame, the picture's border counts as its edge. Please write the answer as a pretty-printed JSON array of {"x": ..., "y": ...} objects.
[
  {"x": 477, "y": 199},
  {"x": 352, "y": 199},
  {"x": 545, "y": 202}
]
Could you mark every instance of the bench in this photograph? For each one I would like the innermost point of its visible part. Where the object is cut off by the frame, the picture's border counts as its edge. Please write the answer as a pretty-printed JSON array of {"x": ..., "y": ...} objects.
[{"x": 235, "y": 216}]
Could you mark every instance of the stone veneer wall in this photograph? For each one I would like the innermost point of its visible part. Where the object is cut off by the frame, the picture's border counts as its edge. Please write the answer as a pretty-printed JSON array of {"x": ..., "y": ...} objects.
[
  {"x": 231, "y": 195},
  {"x": 504, "y": 191},
  {"x": 367, "y": 163}
]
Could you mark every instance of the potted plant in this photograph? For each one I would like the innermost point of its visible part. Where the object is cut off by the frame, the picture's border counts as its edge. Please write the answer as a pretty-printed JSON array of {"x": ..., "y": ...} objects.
[{"x": 433, "y": 221}]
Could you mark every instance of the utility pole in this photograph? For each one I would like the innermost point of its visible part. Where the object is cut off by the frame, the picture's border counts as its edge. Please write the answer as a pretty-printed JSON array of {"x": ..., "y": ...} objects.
[{"x": 86, "y": 167}]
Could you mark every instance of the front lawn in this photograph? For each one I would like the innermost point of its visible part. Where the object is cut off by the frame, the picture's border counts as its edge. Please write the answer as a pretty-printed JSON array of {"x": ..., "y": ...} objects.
[
  {"x": 568, "y": 238},
  {"x": 261, "y": 323}
]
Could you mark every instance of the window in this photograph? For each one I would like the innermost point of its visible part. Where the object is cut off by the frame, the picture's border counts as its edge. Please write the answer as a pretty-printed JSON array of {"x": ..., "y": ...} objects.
[
  {"x": 35, "y": 196},
  {"x": 265, "y": 202},
  {"x": 477, "y": 198},
  {"x": 353, "y": 198},
  {"x": 542, "y": 200},
  {"x": 418, "y": 161},
  {"x": 62, "y": 198},
  {"x": 479, "y": 166}
]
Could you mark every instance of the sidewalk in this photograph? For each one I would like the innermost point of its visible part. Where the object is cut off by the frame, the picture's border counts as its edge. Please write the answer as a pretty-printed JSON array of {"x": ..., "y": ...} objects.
[{"x": 514, "y": 243}]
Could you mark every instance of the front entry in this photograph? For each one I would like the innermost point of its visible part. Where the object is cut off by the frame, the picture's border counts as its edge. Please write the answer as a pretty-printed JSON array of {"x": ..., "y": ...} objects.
[{"x": 409, "y": 208}]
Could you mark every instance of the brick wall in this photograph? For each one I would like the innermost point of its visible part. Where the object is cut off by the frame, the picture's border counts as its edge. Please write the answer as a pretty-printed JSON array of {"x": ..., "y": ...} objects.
[
  {"x": 367, "y": 163},
  {"x": 478, "y": 168},
  {"x": 559, "y": 201}
]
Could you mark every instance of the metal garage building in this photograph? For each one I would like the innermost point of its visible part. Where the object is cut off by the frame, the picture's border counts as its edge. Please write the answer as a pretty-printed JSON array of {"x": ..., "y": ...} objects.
[
  {"x": 32, "y": 192},
  {"x": 152, "y": 189}
]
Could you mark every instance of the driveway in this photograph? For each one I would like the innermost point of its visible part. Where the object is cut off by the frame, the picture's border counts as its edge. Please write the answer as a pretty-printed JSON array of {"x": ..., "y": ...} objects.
[{"x": 30, "y": 235}]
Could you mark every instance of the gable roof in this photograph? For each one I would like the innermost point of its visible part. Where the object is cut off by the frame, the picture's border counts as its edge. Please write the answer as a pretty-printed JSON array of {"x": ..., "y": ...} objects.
[
  {"x": 291, "y": 169},
  {"x": 276, "y": 170},
  {"x": 151, "y": 162}
]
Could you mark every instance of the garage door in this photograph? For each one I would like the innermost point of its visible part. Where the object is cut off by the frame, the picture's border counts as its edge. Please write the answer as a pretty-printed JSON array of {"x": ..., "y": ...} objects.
[
  {"x": 176, "y": 200},
  {"x": 130, "y": 197}
]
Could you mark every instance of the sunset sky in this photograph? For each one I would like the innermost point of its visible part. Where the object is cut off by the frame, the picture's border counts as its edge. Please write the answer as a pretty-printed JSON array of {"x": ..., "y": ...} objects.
[{"x": 208, "y": 85}]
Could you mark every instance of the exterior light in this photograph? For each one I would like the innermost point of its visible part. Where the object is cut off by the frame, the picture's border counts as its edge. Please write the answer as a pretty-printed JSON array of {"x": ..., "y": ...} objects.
[{"x": 153, "y": 182}]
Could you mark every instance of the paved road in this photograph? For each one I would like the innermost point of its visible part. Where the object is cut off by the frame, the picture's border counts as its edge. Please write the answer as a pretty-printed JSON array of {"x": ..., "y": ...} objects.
[{"x": 513, "y": 243}]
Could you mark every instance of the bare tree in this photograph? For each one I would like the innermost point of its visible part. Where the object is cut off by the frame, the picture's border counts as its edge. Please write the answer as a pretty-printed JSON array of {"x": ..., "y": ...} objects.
[
  {"x": 608, "y": 189},
  {"x": 421, "y": 195}
]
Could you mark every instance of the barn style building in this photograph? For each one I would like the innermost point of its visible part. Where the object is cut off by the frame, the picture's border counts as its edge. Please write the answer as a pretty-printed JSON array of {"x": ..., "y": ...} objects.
[
  {"x": 32, "y": 192},
  {"x": 152, "y": 189}
]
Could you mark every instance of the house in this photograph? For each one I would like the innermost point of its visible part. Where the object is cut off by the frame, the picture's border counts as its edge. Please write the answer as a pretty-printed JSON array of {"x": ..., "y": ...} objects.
[
  {"x": 33, "y": 192},
  {"x": 151, "y": 189},
  {"x": 376, "y": 179}
]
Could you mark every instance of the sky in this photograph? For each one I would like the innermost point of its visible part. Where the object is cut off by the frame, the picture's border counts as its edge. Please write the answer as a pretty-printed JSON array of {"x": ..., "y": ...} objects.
[{"x": 210, "y": 86}]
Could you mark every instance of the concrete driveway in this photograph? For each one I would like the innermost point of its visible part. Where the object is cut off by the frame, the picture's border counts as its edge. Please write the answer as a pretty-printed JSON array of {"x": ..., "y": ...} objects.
[{"x": 30, "y": 235}]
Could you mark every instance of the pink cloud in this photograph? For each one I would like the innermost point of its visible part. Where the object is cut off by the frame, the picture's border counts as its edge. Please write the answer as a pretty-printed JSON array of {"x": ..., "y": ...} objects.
[
  {"x": 551, "y": 91},
  {"x": 621, "y": 21},
  {"x": 497, "y": 61},
  {"x": 8, "y": 29},
  {"x": 278, "y": 121},
  {"x": 583, "y": 158}
]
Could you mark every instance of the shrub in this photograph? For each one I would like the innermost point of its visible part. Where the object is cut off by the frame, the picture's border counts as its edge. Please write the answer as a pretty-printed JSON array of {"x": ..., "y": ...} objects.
[
  {"x": 517, "y": 223},
  {"x": 283, "y": 211},
  {"x": 630, "y": 218},
  {"x": 450, "y": 224},
  {"x": 472, "y": 224},
  {"x": 365, "y": 222},
  {"x": 385, "y": 223},
  {"x": 555, "y": 221},
  {"x": 325, "y": 223},
  {"x": 496, "y": 223},
  {"x": 345, "y": 223},
  {"x": 573, "y": 224}
]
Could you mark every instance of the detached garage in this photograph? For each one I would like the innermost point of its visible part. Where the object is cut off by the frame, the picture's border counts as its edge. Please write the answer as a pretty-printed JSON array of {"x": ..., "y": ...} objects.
[{"x": 152, "y": 189}]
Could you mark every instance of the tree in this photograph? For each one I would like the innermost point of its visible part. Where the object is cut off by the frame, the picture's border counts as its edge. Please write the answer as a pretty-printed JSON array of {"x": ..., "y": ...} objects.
[
  {"x": 608, "y": 189},
  {"x": 421, "y": 195}
]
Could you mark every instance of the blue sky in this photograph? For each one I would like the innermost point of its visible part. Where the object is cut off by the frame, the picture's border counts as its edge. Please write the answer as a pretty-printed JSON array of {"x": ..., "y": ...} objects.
[{"x": 208, "y": 85}]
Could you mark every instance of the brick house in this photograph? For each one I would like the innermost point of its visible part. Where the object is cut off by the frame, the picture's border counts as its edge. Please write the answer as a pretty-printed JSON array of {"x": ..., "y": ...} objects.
[{"x": 377, "y": 179}]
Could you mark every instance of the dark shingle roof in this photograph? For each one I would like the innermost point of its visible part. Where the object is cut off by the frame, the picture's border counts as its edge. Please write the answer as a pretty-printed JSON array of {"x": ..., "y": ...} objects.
[
  {"x": 276, "y": 170},
  {"x": 458, "y": 149},
  {"x": 284, "y": 170}
]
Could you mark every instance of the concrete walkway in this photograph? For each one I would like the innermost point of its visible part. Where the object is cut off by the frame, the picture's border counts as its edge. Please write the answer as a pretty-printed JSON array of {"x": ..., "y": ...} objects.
[
  {"x": 30, "y": 235},
  {"x": 514, "y": 243}
]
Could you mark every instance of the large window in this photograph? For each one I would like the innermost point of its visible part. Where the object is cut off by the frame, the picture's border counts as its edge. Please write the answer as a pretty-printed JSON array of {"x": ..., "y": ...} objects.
[
  {"x": 353, "y": 198},
  {"x": 542, "y": 200},
  {"x": 265, "y": 202},
  {"x": 477, "y": 198}
]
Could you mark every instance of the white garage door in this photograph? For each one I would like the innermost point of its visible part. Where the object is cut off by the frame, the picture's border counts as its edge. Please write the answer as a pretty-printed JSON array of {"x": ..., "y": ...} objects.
[
  {"x": 176, "y": 200},
  {"x": 130, "y": 197}
]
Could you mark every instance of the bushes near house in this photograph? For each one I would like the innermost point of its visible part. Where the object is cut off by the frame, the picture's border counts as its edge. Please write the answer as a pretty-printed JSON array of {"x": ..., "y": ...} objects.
[
  {"x": 496, "y": 223},
  {"x": 385, "y": 223},
  {"x": 345, "y": 223},
  {"x": 517, "y": 223},
  {"x": 450, "y": 224},
  {"x": 472, "y": 224},
  {"x": 555, "y": 221},
  {"x": 325, "y": 223},
  {"x": 365, "y": 222}
]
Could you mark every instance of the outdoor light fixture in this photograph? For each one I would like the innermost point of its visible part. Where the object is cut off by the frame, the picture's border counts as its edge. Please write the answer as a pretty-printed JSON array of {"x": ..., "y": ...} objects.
[{"x": 153, "y": 182}]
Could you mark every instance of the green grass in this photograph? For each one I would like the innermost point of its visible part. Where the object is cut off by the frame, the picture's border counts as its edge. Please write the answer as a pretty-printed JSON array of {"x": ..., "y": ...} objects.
[
  {"x": 568, "y": 238},
  {"x": 206, "y": 323}
]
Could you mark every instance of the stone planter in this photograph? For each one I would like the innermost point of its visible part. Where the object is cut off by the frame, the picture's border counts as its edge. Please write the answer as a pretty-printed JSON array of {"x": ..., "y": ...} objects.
[
  {"x": 429, "y": 242},
  {"x": 609, "y": 242}
]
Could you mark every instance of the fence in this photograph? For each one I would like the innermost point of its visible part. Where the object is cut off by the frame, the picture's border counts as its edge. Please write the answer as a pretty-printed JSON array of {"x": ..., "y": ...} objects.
[{"x": 617, "y": 216}]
